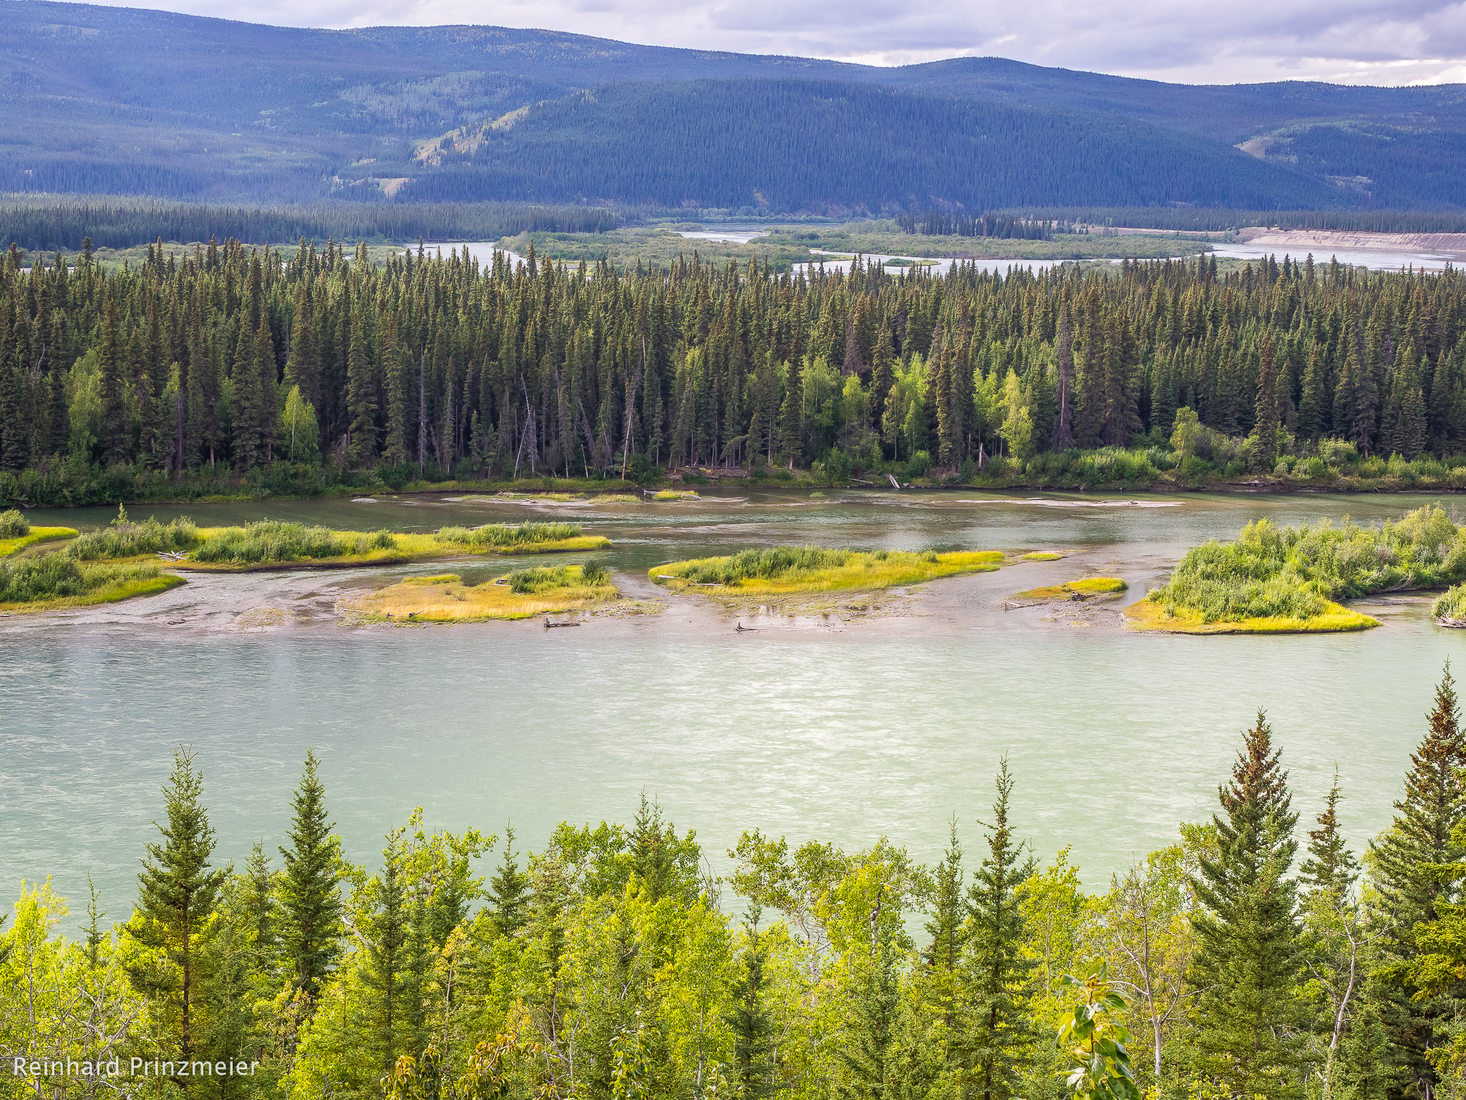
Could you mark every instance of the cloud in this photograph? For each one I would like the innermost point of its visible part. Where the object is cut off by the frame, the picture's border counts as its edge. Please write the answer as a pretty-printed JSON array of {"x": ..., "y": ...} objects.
[{"x": 1200, "y": 41}]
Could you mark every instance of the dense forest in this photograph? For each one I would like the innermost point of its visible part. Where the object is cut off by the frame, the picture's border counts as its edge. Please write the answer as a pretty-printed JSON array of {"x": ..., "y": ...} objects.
[
  {"x": 429, "y": 366},
  {"x": 787, "y": 145},
  {"x": 1253, "y": 958},
  {"x": 52, "y": 222}
]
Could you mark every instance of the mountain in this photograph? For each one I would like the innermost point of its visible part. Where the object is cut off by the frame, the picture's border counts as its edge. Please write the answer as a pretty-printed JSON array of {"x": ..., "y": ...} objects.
[{"x": 116, "y": 100}]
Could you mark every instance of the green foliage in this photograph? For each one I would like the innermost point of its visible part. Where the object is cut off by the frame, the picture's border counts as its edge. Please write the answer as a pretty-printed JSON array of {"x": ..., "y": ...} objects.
[
  {"x": 59, "y": 576},
  {"x": 1248, "y": 960},
  {"x": 174, "y": 924},
  {"x": 310, "y": 900},
  {"x": 268, "y": 541},
  {"x": 124, "y": 539},
  {"x": 502, "y": 534},
  {"x": 780, "y": 561},
  {"x": 13, "y": 525},
  {"x": 1294, "y": 572},
  {"x": 1098, "y": 1043}
]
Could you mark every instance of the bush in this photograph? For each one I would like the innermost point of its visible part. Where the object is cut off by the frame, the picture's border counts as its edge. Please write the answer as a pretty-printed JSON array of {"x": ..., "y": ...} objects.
[
  {"x": 1294, "y": 572},
  {"x": 524, "y": 582},
  {"x": 765, "y": 564},
  {"x": 272, "y": 541},
  {"x": 124, "y": 539},
  {"x": 503, "y": 534},
  {"x": 13, "y": 525},
  {"x": 1337, "y": 452},
  {"x": 1451, "y": 606}
]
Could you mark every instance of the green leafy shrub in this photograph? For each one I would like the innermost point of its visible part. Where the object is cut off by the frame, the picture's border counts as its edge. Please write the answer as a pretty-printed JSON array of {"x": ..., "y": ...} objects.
[
  {"x": 125, "y": 539},
  {"x": 273, "y": 541},
  {"x": 1294, "y": 572},
  {"x": 13, "y": 525},
  {"x": 503, "y": 534},
  {"x": 1451, "y": 606}
]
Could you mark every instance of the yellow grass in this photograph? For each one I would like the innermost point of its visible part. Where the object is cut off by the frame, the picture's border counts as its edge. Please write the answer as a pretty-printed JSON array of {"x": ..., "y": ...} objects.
[
  {"x": 446, "y": 599},
  {"x": 410, "y": 547},
  {"x": 675, "y": 494},
  {"x": 1042, "y": 555},
  {"x": 123, "y": 589},
  {"x": 864, "y": 572},
  {"x": 1087, "y": 586},
  {"x": 38, "y": 534},
  {"x": 1149, "y": 615}
]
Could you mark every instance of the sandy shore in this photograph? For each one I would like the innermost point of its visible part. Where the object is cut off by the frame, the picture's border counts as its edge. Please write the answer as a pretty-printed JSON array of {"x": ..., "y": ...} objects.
[
  {"x": 231, "y": 604},
  {"x": 1322, "y": 241}
]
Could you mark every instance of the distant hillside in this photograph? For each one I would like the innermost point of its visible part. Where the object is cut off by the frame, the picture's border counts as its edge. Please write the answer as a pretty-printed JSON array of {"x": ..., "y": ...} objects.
[
  {"x": 112, "y": 100},
  {"x": 791, "y": 145}
]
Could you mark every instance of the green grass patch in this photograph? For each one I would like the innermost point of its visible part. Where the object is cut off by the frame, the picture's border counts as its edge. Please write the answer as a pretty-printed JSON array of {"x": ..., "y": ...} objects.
[
  {"x": 522, "y": 594},
  {"x": 796, "y": 569},
  {"x": 125, "y": 539},
  {"x": 1332, "y": 619},
  {"x": 33, "y": 536},
  {"x": 1042, "y": 555},
  {"x": 1449, "y": 608},
  {"x": 1084, "y": 588},
  {"x": 1297, "y": 575},
  {"x": 272, "y": 544},
  {"x": 675, "y": 494},
  {"x": 55, "y": 581}
]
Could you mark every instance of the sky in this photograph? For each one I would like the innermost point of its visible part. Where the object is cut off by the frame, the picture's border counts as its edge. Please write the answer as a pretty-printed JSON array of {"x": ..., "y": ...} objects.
[{"x": 1192, "y": 41}]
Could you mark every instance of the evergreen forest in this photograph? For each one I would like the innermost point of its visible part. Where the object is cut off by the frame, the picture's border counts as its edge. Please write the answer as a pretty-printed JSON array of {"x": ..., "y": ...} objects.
[{"x": 263, "y": 369}]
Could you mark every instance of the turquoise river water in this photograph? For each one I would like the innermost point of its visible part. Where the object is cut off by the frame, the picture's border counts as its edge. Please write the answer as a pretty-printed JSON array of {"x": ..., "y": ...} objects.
[{"x": 844, "y": 726}]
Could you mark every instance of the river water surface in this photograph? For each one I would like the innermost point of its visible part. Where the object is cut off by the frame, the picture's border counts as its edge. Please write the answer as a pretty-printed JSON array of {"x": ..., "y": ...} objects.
[{"x": 844, "y": 727}]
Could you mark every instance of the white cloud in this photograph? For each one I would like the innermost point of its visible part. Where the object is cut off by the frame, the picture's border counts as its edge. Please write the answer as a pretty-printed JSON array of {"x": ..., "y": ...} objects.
[{"x": 1197, "y": 41}]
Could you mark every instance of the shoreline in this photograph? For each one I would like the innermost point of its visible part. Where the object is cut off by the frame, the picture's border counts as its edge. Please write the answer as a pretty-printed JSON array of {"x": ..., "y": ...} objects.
[{"x": 590, "y": 490}]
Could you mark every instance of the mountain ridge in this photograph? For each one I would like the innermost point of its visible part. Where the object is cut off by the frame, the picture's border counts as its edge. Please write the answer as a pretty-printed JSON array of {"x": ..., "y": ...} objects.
[{"x": 127, "y": 100}]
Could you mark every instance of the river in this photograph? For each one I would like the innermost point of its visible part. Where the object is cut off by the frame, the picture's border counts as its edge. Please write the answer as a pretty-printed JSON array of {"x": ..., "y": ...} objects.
[{"x": 843, "y": 728}]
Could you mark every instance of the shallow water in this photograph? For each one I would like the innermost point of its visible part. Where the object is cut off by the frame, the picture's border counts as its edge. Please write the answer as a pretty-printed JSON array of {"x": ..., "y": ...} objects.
[{"x": 843, "y": 728}]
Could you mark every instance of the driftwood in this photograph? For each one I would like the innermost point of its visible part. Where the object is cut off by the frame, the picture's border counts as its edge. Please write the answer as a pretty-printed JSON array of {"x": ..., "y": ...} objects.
[
  {"x": 894, "y": 483},
  {"x": 550, "y": 624},
  {"x": 173, "y": 555},
  {"x": 1454, "y": 624}
]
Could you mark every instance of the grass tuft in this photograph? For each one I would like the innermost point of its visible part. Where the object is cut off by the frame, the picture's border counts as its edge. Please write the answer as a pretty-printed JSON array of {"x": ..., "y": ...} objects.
[
  {"x": 1085, "y": 587},
  {"x": 792, "y": 569}
]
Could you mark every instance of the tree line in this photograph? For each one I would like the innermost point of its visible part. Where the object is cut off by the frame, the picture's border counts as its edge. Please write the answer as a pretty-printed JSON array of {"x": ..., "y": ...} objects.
[
  {"x": 251, "y": 359},
  {"x": 1251, "y": 958},
  {"x": 988, "y": 224},
  {"x": 51, "y": 222}
]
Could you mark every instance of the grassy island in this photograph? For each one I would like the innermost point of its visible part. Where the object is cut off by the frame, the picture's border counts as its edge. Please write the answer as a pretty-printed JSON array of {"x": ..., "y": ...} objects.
[
  {"x": 270, "y": 544},
  {"x": 1085, "y": 588},
  {"x": 52, "y": 582},
  {"x": 1291, "y": 579},
  {"x": 522, "y": 594},
  {"x": 16, "y": 533},
  {"x": 791, "y": 570}
]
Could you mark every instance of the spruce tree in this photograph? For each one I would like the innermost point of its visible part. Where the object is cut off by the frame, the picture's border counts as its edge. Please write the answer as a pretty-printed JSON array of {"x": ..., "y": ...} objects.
[
  {"x": 178, "y": 895},
  {"x": 1246, "y": 971},
  {"x": 310, "y": 894},
  {"x": 1413, "y": 866},
  {"x": 750, "y": 1019},
  {"x": 386, "y": 958},
  {"x": 509, "y": 892},
  {"x": 996, "y": 978}
]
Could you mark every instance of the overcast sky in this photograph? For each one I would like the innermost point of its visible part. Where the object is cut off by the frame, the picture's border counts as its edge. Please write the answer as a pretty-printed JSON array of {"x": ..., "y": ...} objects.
[{"x": 1196, "y": 41}]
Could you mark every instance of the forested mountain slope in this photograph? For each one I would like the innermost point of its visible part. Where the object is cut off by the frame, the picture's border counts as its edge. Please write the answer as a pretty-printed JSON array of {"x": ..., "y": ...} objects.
[{"x": 118, "y": 100}]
